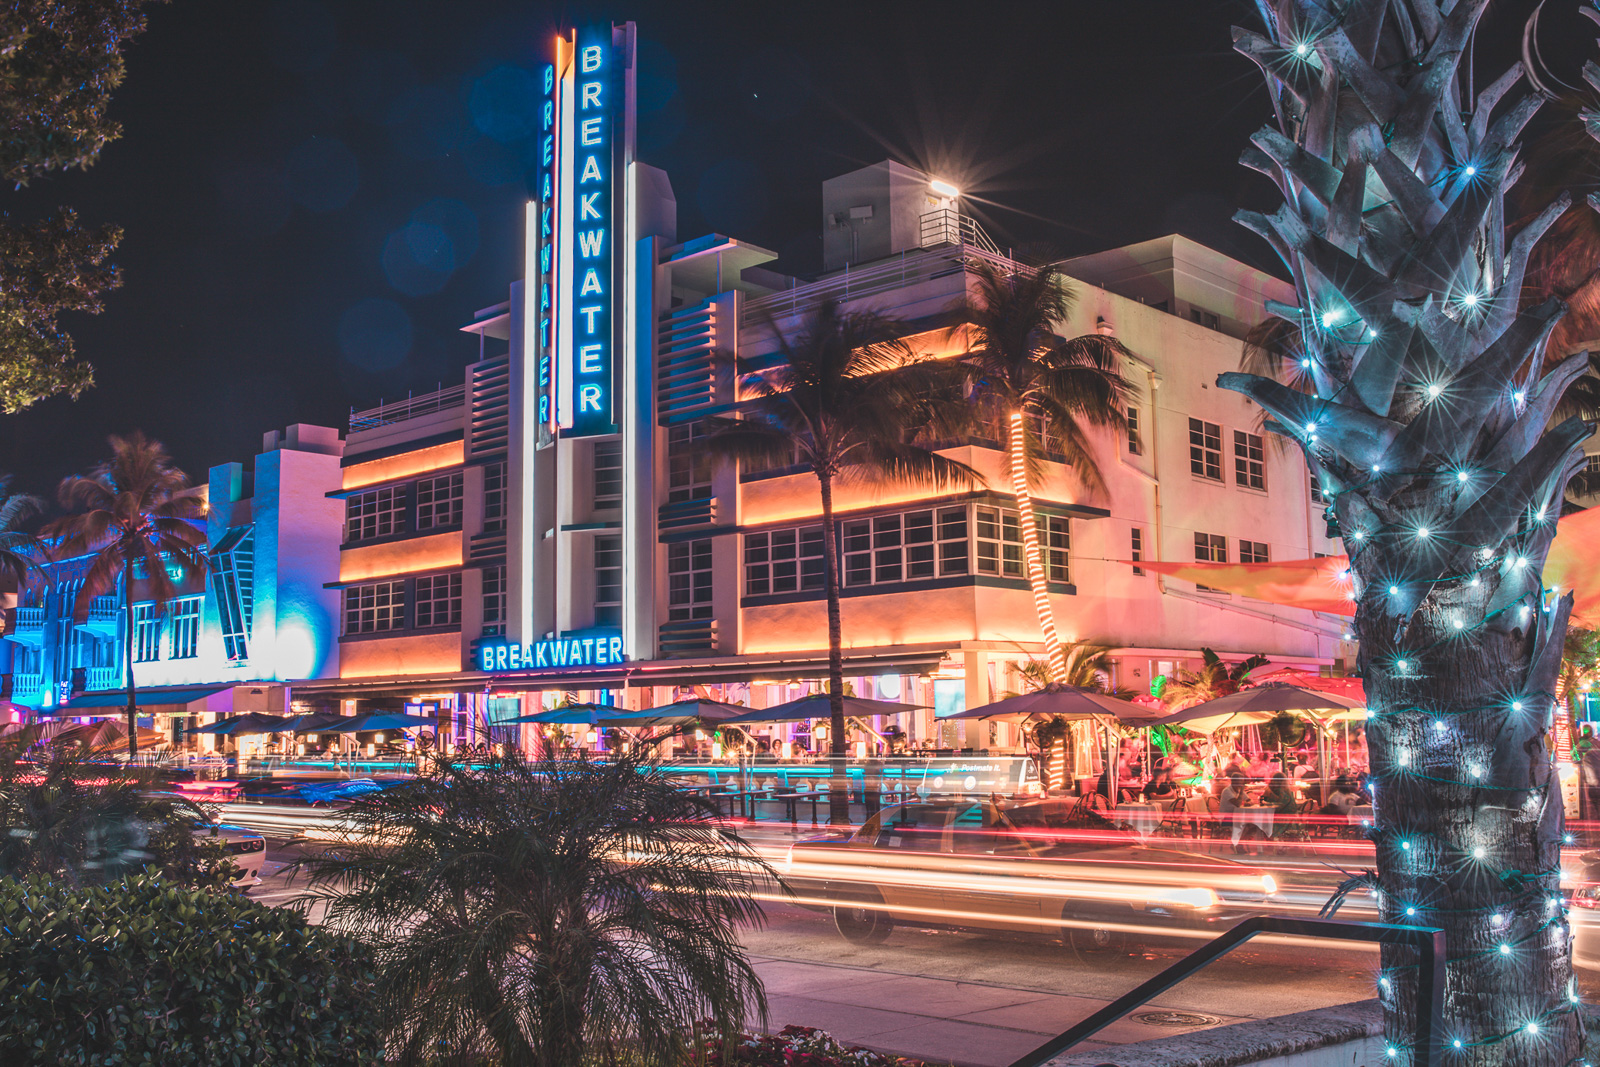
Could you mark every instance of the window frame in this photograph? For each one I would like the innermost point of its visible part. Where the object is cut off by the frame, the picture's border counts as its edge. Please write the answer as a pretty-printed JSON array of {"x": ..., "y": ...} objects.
[
  {"x": 1205, "y": 449},
  {"x": 788, "y": 560},
  {"x": 185, "y": 631},
  {"x": 146, "y": 633},
  {"x": 1254, "y": 551},
  {"x": 426, "y": 599},
  {"x": 383, "y": 510},
  {"x": 608, "y": 577},
  {"x": 690, "y": 580},
  {"x": 690, "y": 466},
  {"x": 1249, "y": 461},
  {"x": 436, "y": 511},
  {"x": 607, "y": 490},
  {"x": 387, "y": 606}
]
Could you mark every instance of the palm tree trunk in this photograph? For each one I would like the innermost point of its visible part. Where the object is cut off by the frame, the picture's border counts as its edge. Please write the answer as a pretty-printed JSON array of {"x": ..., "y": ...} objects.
[
  {"x": 839, "y": 786},
  {"x": 127, "y": 659},
  {"x": 1055, "y": 658}
]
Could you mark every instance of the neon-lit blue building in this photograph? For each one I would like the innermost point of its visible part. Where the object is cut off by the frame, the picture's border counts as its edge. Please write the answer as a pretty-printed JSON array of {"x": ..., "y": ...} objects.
[{"x": 262, "y": 617}]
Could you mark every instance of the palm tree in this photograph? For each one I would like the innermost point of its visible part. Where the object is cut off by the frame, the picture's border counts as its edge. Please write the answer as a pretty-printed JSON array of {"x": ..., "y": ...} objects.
[
  {"x": 1023, "y": 371},
  {"x": 1214, "y": 679},
  {"x": 848, "y": 399},
  {"x": 1084, "y": 667},
  {"x": 1580, "y": 664},
  {"x": 132, "y": 514},
  {"x": 1430, "y": 427},
  {"x": 19, "y": 549},
  {"x": 546, "y": 914}
]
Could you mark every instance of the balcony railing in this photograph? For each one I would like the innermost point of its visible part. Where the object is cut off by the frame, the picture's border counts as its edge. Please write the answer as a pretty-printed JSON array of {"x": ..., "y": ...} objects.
[
  {"x": 97, "y": 679},
  {"x": 943, "y": 226},
  {"x": 411, "y": 407},
  {"x": 28, "y": 627},
  {"x": 101, "y": 619},
  {"x": 27, "y": 684}
]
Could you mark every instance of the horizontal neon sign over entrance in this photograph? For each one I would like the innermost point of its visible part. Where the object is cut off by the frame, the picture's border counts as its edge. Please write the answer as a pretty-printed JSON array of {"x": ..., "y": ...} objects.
[{"x": 597, "y": 650}]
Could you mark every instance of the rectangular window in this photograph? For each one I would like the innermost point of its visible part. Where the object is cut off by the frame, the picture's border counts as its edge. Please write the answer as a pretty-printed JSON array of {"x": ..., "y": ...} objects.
[
  {"x": 608, "y": 581},
  {"x": 494, "y": 600},
  {"x": 1249, "y": 460},
  {"x": 1205, "y": 449},
  {"x": 1137, "y": 548},
  {"x": 607, "y": 474},
  {"x": 376, "y": 514},
  {"x": 783, "y": 561},
  {"x": 1056, "y": 533},
  {"x": 233, "y": 580},
  {"x": 1591, "y": 463},
  {"x": 438, "y": 600},
  {"x": 1135, "y": 444},
  {"x": 689, "y": 463},
  {"x": 952, "y": 534},
  {"x": 374, "y": 608},
  {"x": 689, "y": 580},
  {"x": 494, "y": 497},
  {"x": 1208, "y": 319},
  {"x": 1253, "y": 552},
  {"x": 999, "y": 541},
  {"x": 908, "y": 547},
  {"x": 1317, "y": 495},
  {"x": 185, "y": 617},
  {"x": 1210, "y": 548},
  {"x": 439, "y": 501},
  {"x": 146, "y": 633}
]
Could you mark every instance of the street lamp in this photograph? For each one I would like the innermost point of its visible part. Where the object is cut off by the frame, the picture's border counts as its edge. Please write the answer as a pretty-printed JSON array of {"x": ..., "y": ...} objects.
[{"x": 944, "y": 189}]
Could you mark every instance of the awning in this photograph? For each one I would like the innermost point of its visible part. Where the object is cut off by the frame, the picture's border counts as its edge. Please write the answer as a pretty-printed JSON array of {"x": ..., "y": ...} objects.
[{"x": 143, "y": 698}]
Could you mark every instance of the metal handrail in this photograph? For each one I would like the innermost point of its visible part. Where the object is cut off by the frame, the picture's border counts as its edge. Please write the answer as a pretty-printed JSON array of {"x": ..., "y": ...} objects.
[{"x": 1427, "y": 940}]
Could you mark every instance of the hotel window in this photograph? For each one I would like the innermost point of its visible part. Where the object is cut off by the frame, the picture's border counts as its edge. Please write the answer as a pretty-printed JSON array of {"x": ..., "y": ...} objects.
[
  {"x": 1135, "y": 445},
  {"x": 783, "y": 561},
  {"x": 689, "y": 580},
  {"x": 439, "y": 501},
  {"x": 1210, "y": 548},
  {"x": 1317, "y": 495},
  {"x": 1591, "y": 463},
  {"x": 689, "y": 463},
  {"x": 1253, "y": 551},
  {"x": 1056, "y": 533},
  {"x": 375, "y": 514},
  {"x": 494, "y": 497},
  {"x": 375, "y": 608},
  {"x": 999, "y": 537},
  {"x": 608, "y": 581},
  {"x": 1249, "y": 460},
  {"x": 146, "y": 633},
  {"x": 1137, "y": 548},
  {"x": 911, "y": 546},
  {"x": 233, "y": 579},
  {"x": 1205, "y": 449},
  {"x": 494, "y": 600},
  {"x": 185, "y": 617},
  {"x": 608, "y": 474},
  {"x": 438, "y": 600},
  {"x": 1208, "y": 319}
]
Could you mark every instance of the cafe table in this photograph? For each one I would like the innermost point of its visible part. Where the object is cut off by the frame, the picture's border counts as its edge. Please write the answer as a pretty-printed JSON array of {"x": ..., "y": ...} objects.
[{"x": 1143, "y": 817}]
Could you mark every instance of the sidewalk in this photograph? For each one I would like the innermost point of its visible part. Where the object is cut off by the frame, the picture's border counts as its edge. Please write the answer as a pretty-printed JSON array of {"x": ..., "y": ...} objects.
[{"x": 969, "y": 1024}]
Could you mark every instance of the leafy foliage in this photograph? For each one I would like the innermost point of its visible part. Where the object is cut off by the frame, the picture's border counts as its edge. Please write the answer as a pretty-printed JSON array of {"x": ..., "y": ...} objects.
[
  {"x": 796, "y": 1046},
  {"x": 60, "y": 60},
  {"x": 1214, "y": 679},
  {"x": 142, "y": 971},
  {"x": 550, "y": 913},
  {"x": 48, "y": 266},
  {"x": 18, "y": 548},
  {"x": 133, "y": 514},
  {"x": 77, "y": 822}
]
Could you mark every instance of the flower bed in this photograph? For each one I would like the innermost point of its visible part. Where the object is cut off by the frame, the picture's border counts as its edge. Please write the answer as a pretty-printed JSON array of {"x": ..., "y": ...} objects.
[{"x": 798, "y": 1046}]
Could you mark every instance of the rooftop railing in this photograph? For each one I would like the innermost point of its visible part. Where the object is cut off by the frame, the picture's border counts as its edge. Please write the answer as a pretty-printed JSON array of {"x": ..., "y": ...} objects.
[{"x": 410, "y": 408}]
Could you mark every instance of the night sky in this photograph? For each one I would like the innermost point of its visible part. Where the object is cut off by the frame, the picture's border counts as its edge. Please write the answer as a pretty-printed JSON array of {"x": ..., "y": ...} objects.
[{"x": 317, "y": 195}]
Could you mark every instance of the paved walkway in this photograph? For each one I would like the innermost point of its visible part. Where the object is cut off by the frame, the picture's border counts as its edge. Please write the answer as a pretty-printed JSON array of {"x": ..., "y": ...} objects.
[{"x": 970, "y": 1024}]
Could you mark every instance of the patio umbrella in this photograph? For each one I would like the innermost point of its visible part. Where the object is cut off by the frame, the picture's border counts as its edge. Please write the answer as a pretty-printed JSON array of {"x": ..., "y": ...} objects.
[
  {"x": 571, "y": 715},
  {"x": 378, "y": 720},
  {"x": 1065, "y": 702},
  {"x": 312, "y": 722},
  {"x": 1352, "y": 688},
  {"x": 816, "y": 706},
  {"x": 1259, "y": 704},
  {"x": 678, "y": 713},
  {"x": 110, "y": 733},
  {"x": 249, "y": 723}
]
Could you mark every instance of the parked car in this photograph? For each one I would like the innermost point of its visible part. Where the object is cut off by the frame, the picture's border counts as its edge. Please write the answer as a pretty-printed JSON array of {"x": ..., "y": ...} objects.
[
  {"x": 976, "y": 864},
  {"x": 245, "y": 849}
]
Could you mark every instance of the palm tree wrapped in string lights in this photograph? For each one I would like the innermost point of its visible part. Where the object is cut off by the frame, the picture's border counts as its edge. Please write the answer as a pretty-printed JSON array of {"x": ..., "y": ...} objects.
[{"x": 1428, "y": 426}]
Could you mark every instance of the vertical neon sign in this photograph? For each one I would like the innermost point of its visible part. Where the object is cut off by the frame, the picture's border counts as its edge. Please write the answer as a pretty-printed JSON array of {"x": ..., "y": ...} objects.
[
  {"x": 543, "y": 237},
  {"x": 585, "y": 304}
]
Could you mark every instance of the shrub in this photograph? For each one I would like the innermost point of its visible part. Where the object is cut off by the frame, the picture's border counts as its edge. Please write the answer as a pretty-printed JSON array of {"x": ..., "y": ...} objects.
[
  {"x": 795, "y": 1046},
  {"x": 143, "y": 971}
]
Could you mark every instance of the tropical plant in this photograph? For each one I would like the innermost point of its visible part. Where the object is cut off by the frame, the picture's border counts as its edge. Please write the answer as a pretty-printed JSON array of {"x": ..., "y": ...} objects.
[
  {"x": 1214, "y": 679},
  {"x": 19, "y": 550},
  {"x": 1429, "y": 427},
  {"x": 1580, "y": 664},
  {"x": 145, "y": 971},
  {"x": 78, "y": 822},
  {"x": 1084, "y": 666},
  {"x": 1026, "y": 375},
  {"x": 545, "y": 914},
  {"x": 848, "y": 398},
  {"x": 134, "y": 517}
]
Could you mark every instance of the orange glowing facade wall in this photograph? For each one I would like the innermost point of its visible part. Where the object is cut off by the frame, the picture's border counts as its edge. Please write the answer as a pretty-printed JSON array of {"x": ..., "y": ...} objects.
[
  {"x": 435, "y": 552},
  {"x": 405, "y": 465},
  {"x": 401, "y": 656}
]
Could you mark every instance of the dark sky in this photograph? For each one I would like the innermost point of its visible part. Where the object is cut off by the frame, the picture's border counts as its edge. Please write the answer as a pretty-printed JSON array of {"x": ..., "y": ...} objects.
[{"x": 317, "y": 194}]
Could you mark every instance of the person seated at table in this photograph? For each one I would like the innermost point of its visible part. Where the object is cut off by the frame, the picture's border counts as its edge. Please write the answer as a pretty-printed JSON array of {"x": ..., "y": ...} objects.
[
  {"x": 1127, "y": 786},
  {"x": 1281, "y": 796},
  {"x": 1234, "y": 796},
  {"x": 1344, "y": 798},
  {"x": 1161, "y": 786},
  {"x": 1236, "y": 765}
]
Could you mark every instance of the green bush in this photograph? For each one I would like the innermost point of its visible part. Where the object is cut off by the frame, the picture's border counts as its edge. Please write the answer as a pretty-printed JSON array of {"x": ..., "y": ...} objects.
[{"x": 146, "y": 972}]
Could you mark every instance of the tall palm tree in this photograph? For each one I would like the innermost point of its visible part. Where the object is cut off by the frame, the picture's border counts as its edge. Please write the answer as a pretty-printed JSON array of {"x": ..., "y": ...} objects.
[
  {"x": 1430, "y": 427},
  {"x": 133, "y": 516},
  {"x": 848, "y": 399},
  {"x": 1084, "y": 667},
  {"x": 1214, "y": 679},
  {"x": 1025, "y": 370},
  {"x": 19, "y": 550},
  {"x": 546, "y": 914}
]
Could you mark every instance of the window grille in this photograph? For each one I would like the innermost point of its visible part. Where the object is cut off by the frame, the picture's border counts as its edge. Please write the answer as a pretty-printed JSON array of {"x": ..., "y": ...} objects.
[
  {"x": 1135, "y": 444},
  {"x": 146, "y": 633},
  {"x": 1056, "y": 533},
  {"x": 689, "y": 463},
  {"x": 374, "y": 608},
  {"x": 185, "y": 616},
  {"x": 378, "y": 513},
  {"x": 438, "y": 600},
  {"x": 1136, "y": 537},
  {"x": 1249, "y": 460},
  {"x": 999, "y": 542},
  {"x": 494, "y": 599},
  {"x": 1205, "y": 449},
  {"x": 608, "y": 474},
  {"x": 608, "y": 581},
  {"x": 439, "y": 501},
  {"x": 1210, "y": 548},
  {"x": 233, "y": 582},
  {"x": 494, "y": 497},
  {"x": 689, "y": 580},
  {"x": 784, "y": 561},
  {"x": 1253, "y": 552}
]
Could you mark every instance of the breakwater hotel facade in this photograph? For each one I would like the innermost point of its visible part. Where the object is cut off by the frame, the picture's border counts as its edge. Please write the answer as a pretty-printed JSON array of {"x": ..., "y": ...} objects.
[{"x": 553, "y": 524}]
